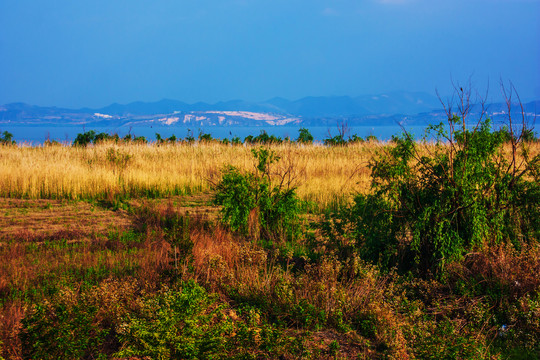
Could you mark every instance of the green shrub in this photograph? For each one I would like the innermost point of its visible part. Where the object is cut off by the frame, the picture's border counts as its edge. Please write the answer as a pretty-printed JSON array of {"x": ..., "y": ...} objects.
[
  {"x": 6, "y": 138},
  {"x": 64, "y": 328},
  {"x": 337, "y": 140},
  {"x": 372, "y": 138},
  {"x": 190, "y": 139},
  {"x": 256, "y": 204},
  {"x": 84, "y": 139},
  {"x": 432, "y": 206},
  {"x": 203, "y": 137},
  {"x": 236, "y": 140},
  {"x": 304, "y": 136},
  {"x": 263, "y": 138},
  {"x": 445, "y": 340},
  {"x": 103, "y": 137},
  {"x": 356, "y": 139},
  {"x": 188, "y": 323}
]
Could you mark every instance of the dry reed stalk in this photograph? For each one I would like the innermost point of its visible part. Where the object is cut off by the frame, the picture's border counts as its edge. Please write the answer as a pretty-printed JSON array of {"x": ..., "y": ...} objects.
[{"x": 321, "y": 173}]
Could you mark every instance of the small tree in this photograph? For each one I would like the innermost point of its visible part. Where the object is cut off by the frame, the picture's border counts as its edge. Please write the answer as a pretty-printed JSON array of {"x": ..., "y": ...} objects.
[
  {"x": 304, "y": 136},
  {"x": 7, "y": 138}
]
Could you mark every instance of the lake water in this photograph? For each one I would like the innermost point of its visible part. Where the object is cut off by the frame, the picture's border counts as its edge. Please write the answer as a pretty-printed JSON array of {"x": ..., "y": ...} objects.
[{"x": 36, "y": 135}]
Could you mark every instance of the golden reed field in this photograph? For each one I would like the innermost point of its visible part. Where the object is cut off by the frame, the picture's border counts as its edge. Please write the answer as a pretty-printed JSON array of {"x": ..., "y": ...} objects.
[
  {"x": 134, "y": 170},
  {"x": 322, "y": 174}
]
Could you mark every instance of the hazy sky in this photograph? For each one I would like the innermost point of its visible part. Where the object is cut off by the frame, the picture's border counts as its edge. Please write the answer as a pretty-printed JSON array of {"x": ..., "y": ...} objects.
[{"x": 92, "y": 53}]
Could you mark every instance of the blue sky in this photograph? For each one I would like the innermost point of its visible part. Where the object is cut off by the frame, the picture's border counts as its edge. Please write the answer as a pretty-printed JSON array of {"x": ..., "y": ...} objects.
[{"x": 92, "y": 53}]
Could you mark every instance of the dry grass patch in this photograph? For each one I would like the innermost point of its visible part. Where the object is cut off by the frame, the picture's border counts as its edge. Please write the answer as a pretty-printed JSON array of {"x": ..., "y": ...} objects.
[
  {"x": 54, "y": 219},
  {"x": 322, "y": 173}
]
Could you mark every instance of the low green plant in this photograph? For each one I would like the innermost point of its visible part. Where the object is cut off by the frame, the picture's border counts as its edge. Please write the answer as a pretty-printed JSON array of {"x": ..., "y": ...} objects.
[
  {"x": 259, "y": 203},
  {"x": 63, "y": 328},
  {"x": 188, "y": 323}
]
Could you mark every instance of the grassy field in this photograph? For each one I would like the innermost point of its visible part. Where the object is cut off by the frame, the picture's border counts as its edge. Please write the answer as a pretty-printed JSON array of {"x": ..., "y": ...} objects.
[
  {"x": 116, "y": 251},
  {"x": 139, "y": 170}
]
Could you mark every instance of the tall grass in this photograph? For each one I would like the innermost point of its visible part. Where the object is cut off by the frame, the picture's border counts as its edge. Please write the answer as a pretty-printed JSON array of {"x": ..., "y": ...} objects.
[{"x": 323, "y": 174}]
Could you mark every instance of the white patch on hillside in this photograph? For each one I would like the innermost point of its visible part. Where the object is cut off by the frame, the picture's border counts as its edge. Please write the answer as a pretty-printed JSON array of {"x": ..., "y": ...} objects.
[
  {"x": 169, "y": 120},
  {"x": 104, "y": 116}
]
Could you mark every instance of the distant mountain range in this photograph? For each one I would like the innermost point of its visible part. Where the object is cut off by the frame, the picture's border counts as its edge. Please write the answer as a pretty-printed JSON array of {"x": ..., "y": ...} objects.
[{"x": 384, "y": 109}]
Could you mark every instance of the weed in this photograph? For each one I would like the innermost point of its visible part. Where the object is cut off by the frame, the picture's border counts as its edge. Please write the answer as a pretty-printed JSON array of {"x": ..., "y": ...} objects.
[{"x": 256, "y": 204}]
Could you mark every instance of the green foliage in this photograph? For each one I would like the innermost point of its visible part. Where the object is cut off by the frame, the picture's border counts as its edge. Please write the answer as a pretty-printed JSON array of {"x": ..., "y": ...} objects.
[
  {"x": 337, "y": 140},
  {"x": 430, "y": 207},
  {"x": 190, "y": 139},
  {"x": 356, "y": 139},
  {"x": 203, "y": 137},
  {"x": 447, "y": 341},
  {"x": 50, "y": 142},
  {"x": 103, "y": 137},
  {"x": 256, "y": 203},
  {"x": 63, "y": 329},
  {"x": 187, "y": 323},
  {"x": 263, "y": 138},
  {"x": 84, "y": 139},
  {"x": 181, "y": 324},
  {"x": 6, "y": 138},
  {"x": 372, "y": 138},
  {"x": 236, "y": 140},
  {"x": 140, "y": 139},
  {"x": 91, "y": 137},
  {"x": 304, "y": 136},
  {"x": 527, "y": 135}
]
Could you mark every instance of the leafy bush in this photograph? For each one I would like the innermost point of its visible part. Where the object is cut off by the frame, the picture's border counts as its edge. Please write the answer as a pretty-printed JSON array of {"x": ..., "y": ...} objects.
[
  {"x": 6, "y": 138},
  {"x": 304, "y": 136},
  {"x": 236, "y": 140},
  {"x": 84, "y": 139},
  {"x": 356, "y": 139},
  {"x": 188, "y": 323},
  {"x": 204, "y": 137},
  {"x": 103, "y": 137},
  {"x": 429, "y": 207},
  {"x": 253, "y": 203},
  {"x": 78, "y": 325},
  {"x": 263, "y": 138},
  {"x": 337, "y": 140},
  {"x": 371, "y": 137},
  {"x": 73, "y": 335}
]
